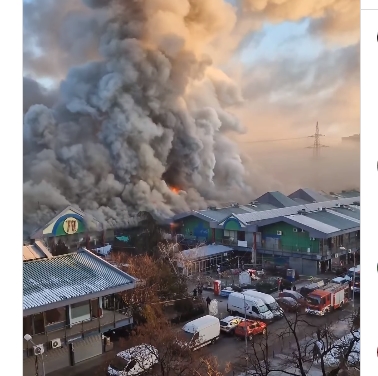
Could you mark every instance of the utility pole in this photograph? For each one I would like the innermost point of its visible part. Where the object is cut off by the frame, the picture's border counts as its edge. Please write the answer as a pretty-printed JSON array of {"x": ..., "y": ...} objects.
[{"x": 317, "y": 145}]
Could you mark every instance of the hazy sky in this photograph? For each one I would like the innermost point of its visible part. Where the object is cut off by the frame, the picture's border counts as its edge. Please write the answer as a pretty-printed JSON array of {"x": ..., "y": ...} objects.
[{"x": 295, "y": 62}]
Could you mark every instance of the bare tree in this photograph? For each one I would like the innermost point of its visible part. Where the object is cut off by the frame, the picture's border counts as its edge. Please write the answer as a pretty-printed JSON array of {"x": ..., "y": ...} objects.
[{"x": 302, "y": 344}]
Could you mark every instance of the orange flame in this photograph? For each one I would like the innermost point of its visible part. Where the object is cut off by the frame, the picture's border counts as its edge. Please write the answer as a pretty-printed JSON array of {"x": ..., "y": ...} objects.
[{"x": 174, "y": 190}]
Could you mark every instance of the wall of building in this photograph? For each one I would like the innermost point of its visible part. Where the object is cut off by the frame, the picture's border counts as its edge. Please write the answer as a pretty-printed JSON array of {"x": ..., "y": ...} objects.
[
  {"x": 289, "y": 240},
  {"x": 196, "y": 228}
]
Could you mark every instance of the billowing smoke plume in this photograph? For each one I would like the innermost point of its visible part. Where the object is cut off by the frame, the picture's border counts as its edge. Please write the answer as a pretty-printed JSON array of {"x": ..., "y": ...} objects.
[
  {"x": 144, "y": 108},
  {"x": 150, "y": 114}
]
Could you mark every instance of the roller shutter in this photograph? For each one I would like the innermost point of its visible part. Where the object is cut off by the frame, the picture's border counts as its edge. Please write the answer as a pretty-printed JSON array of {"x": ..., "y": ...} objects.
[
  {"x": 297, "y": 264},
  {"x": 310, "y": 267},
  {"x": 89, "y": 348}
]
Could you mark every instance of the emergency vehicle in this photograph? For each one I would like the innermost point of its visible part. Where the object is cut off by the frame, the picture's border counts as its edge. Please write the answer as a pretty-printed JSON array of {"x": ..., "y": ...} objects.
[{"x": 327, "y": 299}]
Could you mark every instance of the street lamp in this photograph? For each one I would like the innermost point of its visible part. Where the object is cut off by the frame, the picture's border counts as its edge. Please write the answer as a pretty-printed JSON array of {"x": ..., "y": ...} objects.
[{"x": 29, "y": 338}]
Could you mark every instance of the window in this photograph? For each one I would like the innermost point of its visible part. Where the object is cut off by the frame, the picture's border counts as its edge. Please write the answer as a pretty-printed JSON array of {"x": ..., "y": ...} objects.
[
  {"x": 255, "y": 310},
  {"x": 79, "y": 310},
  {"x": 54, "y": 316},
  {"x": 39, "y": 323}
]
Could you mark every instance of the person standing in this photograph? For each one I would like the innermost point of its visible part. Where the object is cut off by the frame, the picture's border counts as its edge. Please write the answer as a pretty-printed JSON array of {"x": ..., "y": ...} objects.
[
  {"x": 281, "y": 286},
  {"x": 294, "y": 288},
  {"x": 208, "y": 301}
]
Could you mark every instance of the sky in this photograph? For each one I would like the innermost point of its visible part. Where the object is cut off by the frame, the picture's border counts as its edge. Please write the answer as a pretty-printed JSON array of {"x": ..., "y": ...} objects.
[{"x": 278, "y": 66}]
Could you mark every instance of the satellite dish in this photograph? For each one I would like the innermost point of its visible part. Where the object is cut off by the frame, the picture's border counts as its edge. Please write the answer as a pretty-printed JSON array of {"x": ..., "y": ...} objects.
[{"x": 213, "y": 307}]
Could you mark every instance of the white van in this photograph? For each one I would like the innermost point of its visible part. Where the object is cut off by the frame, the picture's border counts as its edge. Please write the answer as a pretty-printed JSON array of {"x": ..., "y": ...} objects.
[
  {"x": 352, "y": 272},
  {"x": 269, "y": 301},
  {"x": 134, "y": 361},
  {"x": 201, "y": 332},
  {"x": 254, "y": 307}
]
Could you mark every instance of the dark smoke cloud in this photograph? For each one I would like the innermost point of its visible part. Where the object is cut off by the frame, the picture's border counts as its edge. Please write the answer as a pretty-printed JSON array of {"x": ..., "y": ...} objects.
[
  {"x": 142, "y": 104},
  {"x": 136, "y": 120},
  {"x": 34, "y": 93}
]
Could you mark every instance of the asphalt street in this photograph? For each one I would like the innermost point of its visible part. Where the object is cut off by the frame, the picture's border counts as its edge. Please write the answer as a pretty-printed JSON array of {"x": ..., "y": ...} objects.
[{"x": 228, "y": 349}]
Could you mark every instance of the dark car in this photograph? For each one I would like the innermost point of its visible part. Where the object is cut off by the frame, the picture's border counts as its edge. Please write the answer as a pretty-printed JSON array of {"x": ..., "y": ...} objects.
[
  {"x": 270, "y": 284},
  {"x": 299, "y": 298},
  {"x": 289, "y": 304}
]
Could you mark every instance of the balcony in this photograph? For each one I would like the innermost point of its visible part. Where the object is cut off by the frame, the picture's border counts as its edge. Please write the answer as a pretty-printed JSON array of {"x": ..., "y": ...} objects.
[
  {"x": 279, "y": 249},
  {"x": 111, "y": 319},
  {"x": 232, "y": 242}
]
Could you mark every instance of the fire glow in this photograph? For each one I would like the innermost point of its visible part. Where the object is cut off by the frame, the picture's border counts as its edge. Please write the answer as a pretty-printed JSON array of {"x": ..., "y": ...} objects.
[{"x": 174, "y": 190}]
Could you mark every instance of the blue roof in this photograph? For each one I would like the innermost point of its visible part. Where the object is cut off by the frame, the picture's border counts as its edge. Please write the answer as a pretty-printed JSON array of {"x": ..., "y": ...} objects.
[{"x": 48, "y": 281}]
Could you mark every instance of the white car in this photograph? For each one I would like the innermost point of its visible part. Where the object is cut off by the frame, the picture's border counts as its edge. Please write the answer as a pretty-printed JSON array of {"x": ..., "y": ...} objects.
[
  {"x": 229, "y": 323},
  {"x": 133, "y": 361}
]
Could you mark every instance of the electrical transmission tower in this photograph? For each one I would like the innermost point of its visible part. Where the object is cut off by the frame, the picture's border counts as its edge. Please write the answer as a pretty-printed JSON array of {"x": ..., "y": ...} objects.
[{"x": 317, "y": 145}]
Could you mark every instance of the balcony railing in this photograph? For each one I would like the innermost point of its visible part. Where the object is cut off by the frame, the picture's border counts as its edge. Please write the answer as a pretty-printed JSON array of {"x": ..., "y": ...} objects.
[
  {"x": 291, "y": 249},
  {"x": 231, "y": 241},
  {"x": 110, "y": 319}
]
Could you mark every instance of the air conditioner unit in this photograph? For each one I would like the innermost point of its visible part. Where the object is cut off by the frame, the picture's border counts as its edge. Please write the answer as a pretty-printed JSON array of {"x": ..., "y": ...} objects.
[
  {"x": 336, "y": 255},
  {"x": 349, "y": 251},
  {"x": 56, "y": 343},
  {"x": 38, "y": 349},
  {"x": 295, "y": 229},
  {"x": 312, "y": 238},
  {"x": 279, "y": 232}
]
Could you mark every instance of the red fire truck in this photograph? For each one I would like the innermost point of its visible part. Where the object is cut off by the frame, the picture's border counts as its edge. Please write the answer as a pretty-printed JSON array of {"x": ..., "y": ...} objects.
[{"x": 327, "y": 298}]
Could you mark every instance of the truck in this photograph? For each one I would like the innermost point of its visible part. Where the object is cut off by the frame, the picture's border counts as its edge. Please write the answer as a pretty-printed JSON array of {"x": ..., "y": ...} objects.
[
  {"x": 326, "y": 299},
  {"x": 200, "y": 332}
]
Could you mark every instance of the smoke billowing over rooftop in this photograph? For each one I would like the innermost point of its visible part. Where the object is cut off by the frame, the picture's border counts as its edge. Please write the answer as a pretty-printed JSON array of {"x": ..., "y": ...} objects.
[{"x": 150, "y": 104}]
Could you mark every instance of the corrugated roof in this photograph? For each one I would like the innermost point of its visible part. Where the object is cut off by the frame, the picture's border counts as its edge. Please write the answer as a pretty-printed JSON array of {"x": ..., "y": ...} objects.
[
  {"x": 344, "y": 215},
  {"x": 300, "y": 201},
  {"x": 35, "y": 251},
  {"x": 313, "y": 223},
  {"x": 268, "y": 214},
  {"x": 332, "y": 220},
  {"x": 47, "y": 281},
  {"x": 205, "y": 251},
  {"x": 348, "y": 194},
  {"x": 309, "y": 195},
  {"x": 262, "y": 207},
  {"x": 355, "y": 213},
  {"x": 277, "y": 199}
]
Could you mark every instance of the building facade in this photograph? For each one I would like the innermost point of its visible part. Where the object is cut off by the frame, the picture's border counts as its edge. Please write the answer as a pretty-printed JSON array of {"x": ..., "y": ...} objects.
[
  {"x": 74, "y": 229},
  {"x": 69, "y": 302},
  {"x": 308, "y": 231}
]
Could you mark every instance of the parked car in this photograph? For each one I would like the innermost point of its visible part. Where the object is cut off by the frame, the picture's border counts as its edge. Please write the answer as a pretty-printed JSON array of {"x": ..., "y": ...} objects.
[
  {"x": 229, "y": 323},
  {"x": 253, "y": 328},
  {"x": 133, "y": 361},
  {"x": 294, "y": 295},
  {"x": 270, "y": 284},
  {"x": 340, "y": 280},
  {"x": 289, "y": 304}
]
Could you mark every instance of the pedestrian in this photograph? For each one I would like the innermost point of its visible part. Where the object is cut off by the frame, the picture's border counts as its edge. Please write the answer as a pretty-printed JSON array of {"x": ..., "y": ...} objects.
[
  {"x": 199, "y": 291},
  {"x": 219, "y": 271},
  {"x": 194, "y": 292},
  {"x": 208, "y": 301},
  {"x": 294, "y": 288},
  {"x": 281, "y": 286}
]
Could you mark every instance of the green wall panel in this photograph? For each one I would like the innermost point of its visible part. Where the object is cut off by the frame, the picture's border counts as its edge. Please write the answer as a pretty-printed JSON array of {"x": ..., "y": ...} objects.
[
  {"x": 290, "y": 240},
  {"x": 196, "y": 228}
]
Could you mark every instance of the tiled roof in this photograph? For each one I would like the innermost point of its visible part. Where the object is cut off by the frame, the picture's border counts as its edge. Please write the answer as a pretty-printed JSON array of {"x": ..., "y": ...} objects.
[{"x": 47, "y": 281}]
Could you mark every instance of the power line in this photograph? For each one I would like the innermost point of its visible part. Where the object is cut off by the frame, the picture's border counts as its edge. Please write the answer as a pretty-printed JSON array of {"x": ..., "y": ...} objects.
[{"x": 275, "y": 140}]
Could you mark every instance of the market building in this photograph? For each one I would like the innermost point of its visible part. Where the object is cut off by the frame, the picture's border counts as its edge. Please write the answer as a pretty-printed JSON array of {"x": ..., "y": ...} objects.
[
  {"x": 306, "y": 230},
  {"x": 73, "y": 228},
  {"x": 69, "y": 303}
]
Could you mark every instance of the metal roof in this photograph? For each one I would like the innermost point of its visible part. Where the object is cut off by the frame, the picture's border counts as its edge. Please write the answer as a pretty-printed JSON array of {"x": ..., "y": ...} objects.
[
  {"x": 35, "y": 251},
  {"x": 309, "y": 195},
  {"x": 333, "y": 220},
  {"x": 313, "y": 223},
  {"x": 344, "y": 215},
  {"x": 205, "y": 251},
  {"x": 300, "y": 201},
  {"x": 277, "y": 199},
  {"x": 354, "y": 213},
  {"x": 48, "y": 281},
  {"x": 275, "y": 213}
]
